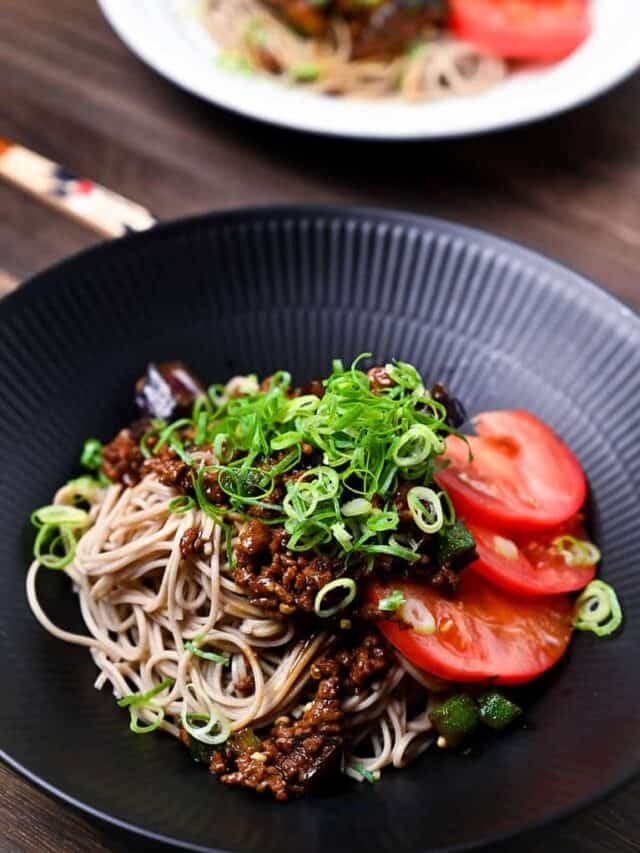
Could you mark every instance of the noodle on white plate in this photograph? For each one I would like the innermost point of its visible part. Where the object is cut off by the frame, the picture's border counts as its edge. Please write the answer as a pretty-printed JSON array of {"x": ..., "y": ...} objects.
[{"x": 438, "y": 67}]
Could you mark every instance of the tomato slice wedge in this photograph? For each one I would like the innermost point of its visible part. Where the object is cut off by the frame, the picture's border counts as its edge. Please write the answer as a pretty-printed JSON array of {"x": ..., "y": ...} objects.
[
  {"x": 523, "y": 476},
  {"x": 543, "y": 30},
  {"x": 484, "y": 634},
  {"x": 531, "y": 564}
]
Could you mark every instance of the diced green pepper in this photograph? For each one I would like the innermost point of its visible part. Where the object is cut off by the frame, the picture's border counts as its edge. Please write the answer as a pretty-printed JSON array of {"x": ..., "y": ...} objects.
[
  {"x": 496, "y": 711},
  {"x": 456, "y": 546},
  {"x": 246, "y": 740},
  {"x": 456, "y": 718},
  {"x": 200, "y": 752}
]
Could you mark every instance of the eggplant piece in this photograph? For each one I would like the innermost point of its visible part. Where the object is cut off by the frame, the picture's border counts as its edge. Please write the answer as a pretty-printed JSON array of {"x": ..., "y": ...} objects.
[
  {"x": 388, "y": 28},
  {"x": 167, "y": 390},
  {"x": 456, "y": 412},
  {"x": 326, "y": 766}
]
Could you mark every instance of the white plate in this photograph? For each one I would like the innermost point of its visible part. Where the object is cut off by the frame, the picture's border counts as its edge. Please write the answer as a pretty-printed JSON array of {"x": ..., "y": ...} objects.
[{"x": 171, "y": 42}]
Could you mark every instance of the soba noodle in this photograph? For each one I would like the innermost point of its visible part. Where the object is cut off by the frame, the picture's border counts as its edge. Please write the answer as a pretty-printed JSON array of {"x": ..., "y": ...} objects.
[
  {"x": 142, "y": 602},
  {"x": 440, "y": 67}
]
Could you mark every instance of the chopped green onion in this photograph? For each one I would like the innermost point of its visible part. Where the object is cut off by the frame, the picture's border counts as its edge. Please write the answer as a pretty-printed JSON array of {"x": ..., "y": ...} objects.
[
  {"x": 577, "y": 552},
  {"x": 404, "y": 374},
  {"x": 212, "y": 656},
  {"x": 597, "y": 609},
  {"x": 367, "y": 775},
  {"x": 301, "y": 501},
  {"x": 181, "y": 504},
  {"x": 233, "y": 62},
  {"x": 213, "y": 511},
  {"x": 201, "y": 428},
  {"x": 306, "y": 404},
  {"x": 450, "y": 514},
  {"x": 380, "y": 521},
  {"x": 392, "y": 549},
  {"x": 415, "y": 445},
  {"x": 139, "y": 700},
  {"x": 326, "y": 481},
  {"x": 156, "y": 426},
  {"x": 426, "y": 509},
  {"x": 417, "y": 615},
  {"x": 392, "y": 602},
  {"x": 216, "y": 720},
  {"x": 60, "y": 515},
  {"x": 143, "y": 698},
  {"x": 285, "y": 440},
  {"x": 92, "y": 454},
  {"x": 305, "y": 72},
  {"x": 340, "y": 583},
  {"x": 167, "y": 433},
  {"x": 84, "y": 487},
  {"x": 220, "y": 447},
  {"x": 358, "y": 506},
  {"x": 52, "y": 539},
  {"x": 342, "y": 535}
]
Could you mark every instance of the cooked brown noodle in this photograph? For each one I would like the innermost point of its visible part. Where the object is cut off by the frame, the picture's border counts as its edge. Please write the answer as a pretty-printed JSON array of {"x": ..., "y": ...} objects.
[
  {"x": 141, "y": 601},
  {"x": 442, "y": 66}
]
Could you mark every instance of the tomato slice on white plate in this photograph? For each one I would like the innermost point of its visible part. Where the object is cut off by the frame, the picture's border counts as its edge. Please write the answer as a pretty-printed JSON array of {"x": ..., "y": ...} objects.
[
  {"x": 484, "y": 634},
  {"x": 545, "y": 563},
  {"x": 523, "y": 476},
  {"x": 542, "y": 30}
]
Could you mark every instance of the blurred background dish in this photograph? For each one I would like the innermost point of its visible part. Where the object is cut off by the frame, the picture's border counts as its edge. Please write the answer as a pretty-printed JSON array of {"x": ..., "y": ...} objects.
[{"x": 174, "y": 37}]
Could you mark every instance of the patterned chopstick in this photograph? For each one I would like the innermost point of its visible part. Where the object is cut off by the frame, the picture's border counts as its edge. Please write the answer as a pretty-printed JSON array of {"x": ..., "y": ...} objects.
[
  {"x": 93, "y": 205},
  {"x": 7, "y": 282}
]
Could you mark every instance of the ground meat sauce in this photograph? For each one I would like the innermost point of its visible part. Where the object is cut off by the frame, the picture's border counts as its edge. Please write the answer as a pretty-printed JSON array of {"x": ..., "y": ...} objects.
[
  {"x": 122, "y": 458},
  {"x": 380, "y": 30},
  {"x": 278, "y": 579},
  {"x": 191, "y": 542},
  {"x": 298, "y": 755},
  {"x": 379, "y": 379}
]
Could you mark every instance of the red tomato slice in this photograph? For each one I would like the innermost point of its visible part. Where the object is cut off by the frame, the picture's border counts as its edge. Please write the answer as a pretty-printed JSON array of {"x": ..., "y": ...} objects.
[
  {"x": 530, "y": 564},
  {"x": 523, "y": 476},
  {"x": 484, "y": 634},
  {"x": 544, "y": 30}
]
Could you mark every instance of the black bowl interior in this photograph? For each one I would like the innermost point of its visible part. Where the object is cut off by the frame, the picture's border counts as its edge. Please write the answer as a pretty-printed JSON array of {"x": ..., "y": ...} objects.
[{"x": 260, "y": 290}]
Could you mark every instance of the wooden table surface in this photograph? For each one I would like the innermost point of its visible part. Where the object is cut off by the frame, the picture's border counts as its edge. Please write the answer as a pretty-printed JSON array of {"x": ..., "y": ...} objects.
[{"x": 70, "y": 90}]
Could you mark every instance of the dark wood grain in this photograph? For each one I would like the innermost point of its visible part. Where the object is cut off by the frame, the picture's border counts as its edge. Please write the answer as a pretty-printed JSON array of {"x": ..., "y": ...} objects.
[{"x": 69, "y": 89}]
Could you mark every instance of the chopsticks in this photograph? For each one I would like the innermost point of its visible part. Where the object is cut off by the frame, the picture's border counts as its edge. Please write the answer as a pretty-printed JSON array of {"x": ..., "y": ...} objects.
[
  {"x": 91, "y": 204},
  {"x": 7, "y": 282}
]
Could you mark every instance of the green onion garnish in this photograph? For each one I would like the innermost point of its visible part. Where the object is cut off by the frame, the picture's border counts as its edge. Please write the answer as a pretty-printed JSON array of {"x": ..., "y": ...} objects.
[
  {"x": 138, "y": 700},
  {"x": 60, "y": 515},
  {"x": 367, "y": 775},
  {"x": 55, "y": 544},
  {"x": 181, "y": 504},
  {"x": 577, "y": 552},
  {"x": 597, "y": 609},
  {"x": 340, "y": 583},
  {"x": 392, "y": 602},
  {"x": 214, "y": 721},
  {"x": 426, "y": 509},
  {"x": 212, "y": 656},
  {"x": 92, "y": 454},
  {"x": 366, "y": 441}
]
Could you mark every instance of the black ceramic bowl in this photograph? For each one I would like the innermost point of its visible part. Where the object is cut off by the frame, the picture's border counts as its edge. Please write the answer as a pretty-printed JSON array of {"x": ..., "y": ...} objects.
[{"x": 265, "y": 289}]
